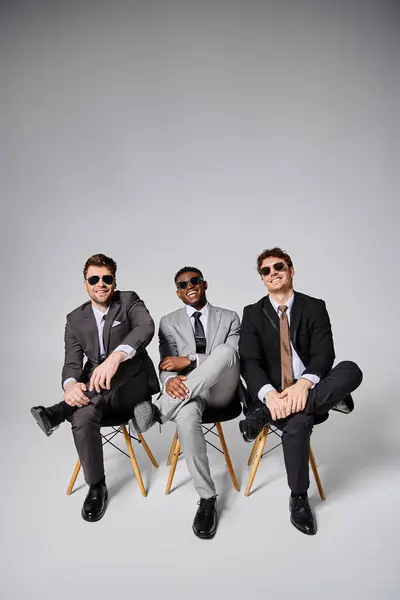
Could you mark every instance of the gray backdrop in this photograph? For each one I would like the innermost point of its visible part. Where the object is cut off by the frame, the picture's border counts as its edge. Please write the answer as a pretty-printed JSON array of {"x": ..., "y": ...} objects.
[{"x": 172, "y": 133}]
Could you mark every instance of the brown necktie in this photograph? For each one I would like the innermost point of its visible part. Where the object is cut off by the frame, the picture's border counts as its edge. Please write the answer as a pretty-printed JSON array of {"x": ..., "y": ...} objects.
[{"x": 286, "y": 355}]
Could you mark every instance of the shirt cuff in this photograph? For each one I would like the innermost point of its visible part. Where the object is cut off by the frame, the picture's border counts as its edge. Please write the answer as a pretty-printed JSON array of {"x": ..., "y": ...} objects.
[
  {"x": 313, "y": 378},
  {"x": 68, "y": 381},
  {"x": 129, "y": 351},
  {"x": 264, "y": 391}
]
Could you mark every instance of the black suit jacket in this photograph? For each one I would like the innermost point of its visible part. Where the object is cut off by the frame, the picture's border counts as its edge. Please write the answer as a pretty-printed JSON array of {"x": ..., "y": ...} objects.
[
  {"x": 259, "y": 344},
  {"x": 127, "y": 322}
]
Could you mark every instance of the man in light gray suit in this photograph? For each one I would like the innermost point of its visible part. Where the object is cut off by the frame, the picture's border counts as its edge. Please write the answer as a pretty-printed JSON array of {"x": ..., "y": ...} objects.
[{"x": 199, "y": 367}]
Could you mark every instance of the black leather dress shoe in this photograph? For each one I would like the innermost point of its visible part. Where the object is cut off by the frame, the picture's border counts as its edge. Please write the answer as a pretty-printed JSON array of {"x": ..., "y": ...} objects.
[
  {"x": 254, "y": 423},
  {"x": 48, "y": 418},
  {"x": 206, "y": 519},
  {"x": 301, "y": 515},
  {"x": 95, "y": 503}
]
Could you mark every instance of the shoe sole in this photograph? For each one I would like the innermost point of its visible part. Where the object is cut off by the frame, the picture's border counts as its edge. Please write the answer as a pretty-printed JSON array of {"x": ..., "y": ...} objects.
[
  {"x": 100, "y": 516},
  {"x": 209, "y": 536},
  {"x": 39, "y": 420}
]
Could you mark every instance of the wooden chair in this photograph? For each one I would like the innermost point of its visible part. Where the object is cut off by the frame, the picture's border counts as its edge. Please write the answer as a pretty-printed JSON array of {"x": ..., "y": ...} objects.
[
  {"x": 107, "y": 439},
  {"x": 212, "y": 419},
  {"x": 256, "y": 455}
]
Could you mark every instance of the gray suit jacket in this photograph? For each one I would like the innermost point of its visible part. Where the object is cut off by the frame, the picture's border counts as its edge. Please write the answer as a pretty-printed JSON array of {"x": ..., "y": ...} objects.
[
  {"x": 127, "y": 322},
  {"x": 176, "y": 336}
]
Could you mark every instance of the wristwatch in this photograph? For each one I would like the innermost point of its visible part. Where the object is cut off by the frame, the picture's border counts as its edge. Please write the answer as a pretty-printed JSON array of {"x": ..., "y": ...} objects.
[{"x": 193, "y": 361}]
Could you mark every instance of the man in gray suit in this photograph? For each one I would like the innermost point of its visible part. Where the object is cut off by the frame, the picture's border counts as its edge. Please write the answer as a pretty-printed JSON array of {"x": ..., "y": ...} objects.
[
  {"x": 199, "y": 367},
  {"x": 117, "y": 380}
]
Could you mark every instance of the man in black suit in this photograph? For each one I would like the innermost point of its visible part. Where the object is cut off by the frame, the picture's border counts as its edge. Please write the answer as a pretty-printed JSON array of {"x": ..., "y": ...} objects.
[
  {"x": 117, "y": 380},
  {"x": 286, "y": 351}
]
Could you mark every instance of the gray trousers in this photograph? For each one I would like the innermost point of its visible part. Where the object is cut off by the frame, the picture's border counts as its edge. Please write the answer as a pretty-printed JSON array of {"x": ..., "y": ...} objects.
[
  {"x": 213, "y": 383},
  {"x": 128, "y": 397}
]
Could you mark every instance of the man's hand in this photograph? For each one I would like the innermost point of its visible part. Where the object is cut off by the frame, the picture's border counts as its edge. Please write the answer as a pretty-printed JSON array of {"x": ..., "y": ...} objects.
[
  {"x": 296, "y": 395},
  {"x": 174, "y": 363},
  {"x": 176, "y": 388},
  {"x": 277, "y": 405},
  {"x": 73, "y": 394},
  {"x": 102, "y": 375}
]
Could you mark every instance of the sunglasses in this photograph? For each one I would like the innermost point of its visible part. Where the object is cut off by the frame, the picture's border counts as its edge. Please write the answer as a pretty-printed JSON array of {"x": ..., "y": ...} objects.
[
  {"x": 107, "y": 279},
  {"x": 279, "y": 266},
  {"x": 182, "y": 285}
]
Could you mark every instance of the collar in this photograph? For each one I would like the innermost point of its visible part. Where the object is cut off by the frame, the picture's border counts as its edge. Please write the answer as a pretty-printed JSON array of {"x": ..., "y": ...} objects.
[
  {"x": 204, "y": 311},
  {"x": 98, "y": 315},
  {"x": 276, "y": 306}
]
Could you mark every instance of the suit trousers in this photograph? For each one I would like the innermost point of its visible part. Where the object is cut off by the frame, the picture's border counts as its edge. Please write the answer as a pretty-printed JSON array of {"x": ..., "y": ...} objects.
[
  {"x": 341, "y": 381},
  {"x": 213, "y": 383},
  {"x": 115, "y": 404}
]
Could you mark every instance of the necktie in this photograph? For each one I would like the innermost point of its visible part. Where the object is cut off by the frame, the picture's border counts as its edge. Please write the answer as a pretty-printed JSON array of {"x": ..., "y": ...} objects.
[
  {"x": 199, "y": 335},
  {"x": 286, "y": 355},
  {"x": 101, "y": 337}
]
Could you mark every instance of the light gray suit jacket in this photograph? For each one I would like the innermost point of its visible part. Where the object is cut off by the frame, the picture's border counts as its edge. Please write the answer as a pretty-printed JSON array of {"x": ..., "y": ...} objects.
[{"x": 176, "y": 336}]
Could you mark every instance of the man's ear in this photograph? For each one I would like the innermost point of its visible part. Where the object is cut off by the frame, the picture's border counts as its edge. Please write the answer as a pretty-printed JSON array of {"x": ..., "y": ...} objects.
[{"x": 205, "y": 285}]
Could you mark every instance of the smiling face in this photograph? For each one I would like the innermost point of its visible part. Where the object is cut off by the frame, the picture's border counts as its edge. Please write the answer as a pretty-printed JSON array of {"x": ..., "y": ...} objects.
[
  {"x": 100, "y": 293},
  {"x": 279, "y": 280},
  {"x": 194, "y": 293}
]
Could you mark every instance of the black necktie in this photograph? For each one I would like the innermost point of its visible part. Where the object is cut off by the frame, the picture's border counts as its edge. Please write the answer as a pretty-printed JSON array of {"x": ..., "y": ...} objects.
[{"x": 199, "y": 335}]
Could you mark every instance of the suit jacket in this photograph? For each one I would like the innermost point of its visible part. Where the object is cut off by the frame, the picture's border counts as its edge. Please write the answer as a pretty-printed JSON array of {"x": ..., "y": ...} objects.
[
  {"x": 127, "y": 322},
  {"x": 176, "y": 334},
  {"x": 259, "y": 346}
]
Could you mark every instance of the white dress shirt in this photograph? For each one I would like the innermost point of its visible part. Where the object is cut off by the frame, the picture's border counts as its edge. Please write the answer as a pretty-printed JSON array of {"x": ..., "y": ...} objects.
[
  {"x": 204, "y": 316},
  {"x": 99, "y": 317},
  {"x": 297, "y": 365}
]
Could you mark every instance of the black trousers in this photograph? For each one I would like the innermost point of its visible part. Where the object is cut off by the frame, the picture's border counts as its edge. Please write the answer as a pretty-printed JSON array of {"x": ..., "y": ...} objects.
[
  {"x": 297, "y": 428},
  {"x": 128, "y": 388}
]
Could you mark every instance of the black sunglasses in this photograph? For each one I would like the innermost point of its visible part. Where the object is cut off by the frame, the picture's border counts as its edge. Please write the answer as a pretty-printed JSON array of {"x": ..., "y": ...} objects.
[
  {"x": 279, "y": 266},
  {"x": 193, "y": 280},
  {"x": 107, "y": 279}
]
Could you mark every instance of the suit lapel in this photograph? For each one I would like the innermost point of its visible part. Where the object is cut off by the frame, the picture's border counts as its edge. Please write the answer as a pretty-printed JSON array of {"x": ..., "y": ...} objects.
[
  {"x": 214, "y": 318},
  {"x": 91, "y": 326},
  {"x": 109, "y": 320},
  {"x": 271, "y": 314},
  {"x": 295, "y": 316},
  {"x": 185, "y": 330}
]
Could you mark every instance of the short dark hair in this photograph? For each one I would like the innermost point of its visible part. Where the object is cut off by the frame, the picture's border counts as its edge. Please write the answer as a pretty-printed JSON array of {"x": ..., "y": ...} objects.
[
  {"x": 186, "y": 270},
  {"x": 275, "y": 253},
  {"x": 100, "y": 260}
]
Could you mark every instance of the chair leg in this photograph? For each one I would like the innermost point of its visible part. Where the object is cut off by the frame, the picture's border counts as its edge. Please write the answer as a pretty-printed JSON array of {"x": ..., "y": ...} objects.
[
  {"x": 253, "y": 450},
  {"x": 171, "y": 450},
  {"x": 147, "y": 450},
  {"x": 316, "y": 475},
  {"x": 133, "y": 460},
  {"x": 174, "y": 462},
  {"x": 74, "y": 476},
  {"x": 227, "y": 456},
  {"x": 259, "y": 451}
]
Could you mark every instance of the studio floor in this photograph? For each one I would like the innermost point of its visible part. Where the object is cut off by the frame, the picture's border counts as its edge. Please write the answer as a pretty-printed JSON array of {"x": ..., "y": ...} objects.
[{"x": 145, "y": 546}]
